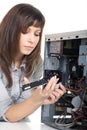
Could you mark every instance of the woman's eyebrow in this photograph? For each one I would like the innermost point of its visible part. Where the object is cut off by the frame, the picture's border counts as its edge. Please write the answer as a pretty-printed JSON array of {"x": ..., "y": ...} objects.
[{"x": 37, "y": 29}]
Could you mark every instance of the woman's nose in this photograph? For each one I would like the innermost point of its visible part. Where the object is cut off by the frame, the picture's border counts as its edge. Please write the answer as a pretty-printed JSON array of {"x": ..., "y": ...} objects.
[{"x": 31, "y": 38}]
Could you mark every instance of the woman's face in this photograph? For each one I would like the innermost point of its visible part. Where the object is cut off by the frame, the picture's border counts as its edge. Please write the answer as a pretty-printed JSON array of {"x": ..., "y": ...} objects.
[{"x": 29, "y": 40}]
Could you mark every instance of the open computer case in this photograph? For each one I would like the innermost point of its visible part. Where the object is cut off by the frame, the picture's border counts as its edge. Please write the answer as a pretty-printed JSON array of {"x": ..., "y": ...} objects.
[{"x": 66, "y": 56}]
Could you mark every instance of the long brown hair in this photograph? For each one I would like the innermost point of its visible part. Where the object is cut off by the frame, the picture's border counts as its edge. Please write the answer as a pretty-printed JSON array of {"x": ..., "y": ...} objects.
[{"x": 17, "y": 20}]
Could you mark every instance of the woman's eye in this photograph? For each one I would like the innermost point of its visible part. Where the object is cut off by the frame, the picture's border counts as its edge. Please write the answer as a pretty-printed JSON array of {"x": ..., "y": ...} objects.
[
  {"x": 25, "y": 32},
  {"x": 37, "y": 34}
]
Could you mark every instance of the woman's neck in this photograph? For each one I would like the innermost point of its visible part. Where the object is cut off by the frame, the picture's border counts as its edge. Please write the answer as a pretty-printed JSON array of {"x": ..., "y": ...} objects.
[
  {"x": 18, "y": 61},
  {"x": 17, "y": 64}
]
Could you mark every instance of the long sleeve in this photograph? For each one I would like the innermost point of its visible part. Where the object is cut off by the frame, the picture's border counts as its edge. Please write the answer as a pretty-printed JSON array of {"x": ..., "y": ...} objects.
[{"x": 5, "y": 100}]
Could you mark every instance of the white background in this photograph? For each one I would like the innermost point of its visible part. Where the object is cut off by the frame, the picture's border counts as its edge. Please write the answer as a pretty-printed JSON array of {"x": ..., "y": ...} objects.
[{"x": 61, "y": 16}]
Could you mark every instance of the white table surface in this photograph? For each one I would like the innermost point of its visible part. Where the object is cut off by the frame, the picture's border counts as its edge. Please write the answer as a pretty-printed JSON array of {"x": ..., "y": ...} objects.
[{"x": 24, "y": 126}]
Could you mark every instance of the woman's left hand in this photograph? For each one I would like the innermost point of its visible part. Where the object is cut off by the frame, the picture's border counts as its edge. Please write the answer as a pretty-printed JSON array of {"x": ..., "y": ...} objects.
[{"x": 55, "y": 95}]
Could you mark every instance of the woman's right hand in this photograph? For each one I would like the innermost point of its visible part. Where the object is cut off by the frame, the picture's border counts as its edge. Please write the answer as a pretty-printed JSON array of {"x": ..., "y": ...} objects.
[{"x": 48, "y": 93}]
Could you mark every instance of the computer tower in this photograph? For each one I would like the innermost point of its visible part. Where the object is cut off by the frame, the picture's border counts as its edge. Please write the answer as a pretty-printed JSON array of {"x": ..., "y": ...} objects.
[{"x": 65, "y": 55}]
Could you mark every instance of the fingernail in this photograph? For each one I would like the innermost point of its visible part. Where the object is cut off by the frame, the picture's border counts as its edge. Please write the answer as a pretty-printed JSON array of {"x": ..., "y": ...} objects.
[{"x": 55, "y": 77}]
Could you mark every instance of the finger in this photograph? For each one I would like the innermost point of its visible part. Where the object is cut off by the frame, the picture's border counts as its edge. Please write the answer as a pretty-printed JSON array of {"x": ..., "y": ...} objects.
[
  {"x": 58, "y": 92},
  {"x": 62, "y": 87},
  {"x": 49, "y": 84},
  {"x": 26, "y": 80},
  {"x": 54, "y": 83},
  {"x": 53, "y": 98},
  {"x": 46, "y": 90},
  {"x": 57, "y": 95}
]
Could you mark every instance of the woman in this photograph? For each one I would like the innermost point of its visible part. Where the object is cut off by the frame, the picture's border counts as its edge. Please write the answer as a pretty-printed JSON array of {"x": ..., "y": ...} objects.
[{"x": 20, "y": 63}]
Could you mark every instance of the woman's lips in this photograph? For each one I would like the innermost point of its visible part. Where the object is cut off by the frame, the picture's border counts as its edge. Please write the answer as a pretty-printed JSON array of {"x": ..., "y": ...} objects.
[{"x": 28, "y": 47}]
